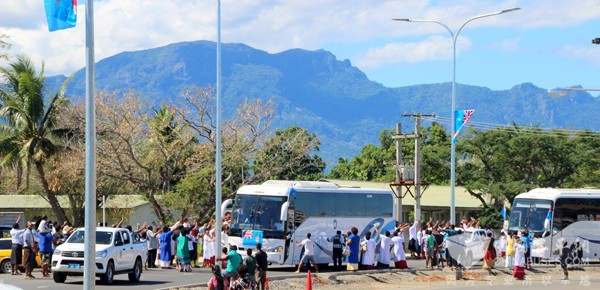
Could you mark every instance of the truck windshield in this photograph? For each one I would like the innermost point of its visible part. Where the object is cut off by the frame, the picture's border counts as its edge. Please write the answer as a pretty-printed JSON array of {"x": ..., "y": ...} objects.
[
  {"x": 102, "y": 238},
  {"x": 529, "y": 215},
  {"x": 257, "y": 212}
]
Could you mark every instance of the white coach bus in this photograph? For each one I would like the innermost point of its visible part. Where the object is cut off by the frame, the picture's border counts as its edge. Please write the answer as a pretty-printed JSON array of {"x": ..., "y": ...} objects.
[
  {"x": 555, "y": 215},
  {"x": 279, "y": 213}
]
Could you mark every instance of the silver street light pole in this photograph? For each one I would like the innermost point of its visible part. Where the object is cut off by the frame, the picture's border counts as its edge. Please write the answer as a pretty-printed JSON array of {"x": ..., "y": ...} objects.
[
  {"x": 218, "y": 139},
  {"x": 89, "y": 243},
  {"x": 452, "y": 143}
]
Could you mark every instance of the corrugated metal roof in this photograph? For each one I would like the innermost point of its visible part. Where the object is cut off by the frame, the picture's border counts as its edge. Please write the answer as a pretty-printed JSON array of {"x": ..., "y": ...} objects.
[
  {"x": 36, "y": 201},
  {"x": 434, "y": 196}
]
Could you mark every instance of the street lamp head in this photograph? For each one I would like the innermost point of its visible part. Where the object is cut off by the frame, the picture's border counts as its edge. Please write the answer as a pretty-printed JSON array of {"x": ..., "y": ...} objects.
[
  {"x": 510, "y": 10},
  {"x": 401, "y": 19},
  {"x": 596, "y": 41},
  {"x": 558, "y": 92}
]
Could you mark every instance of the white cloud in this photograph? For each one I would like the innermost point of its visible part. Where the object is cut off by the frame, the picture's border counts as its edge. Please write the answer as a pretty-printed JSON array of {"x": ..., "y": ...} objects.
[
  {"x": 433, "y": 48},
  {"x": 273, "y": 25},
  {"x": 589, "y": 54}
]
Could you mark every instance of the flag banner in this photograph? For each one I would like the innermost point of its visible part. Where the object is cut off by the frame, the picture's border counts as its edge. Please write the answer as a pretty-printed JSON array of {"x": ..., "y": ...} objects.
[
  {"x": 548, "y": 220},
  {"x": 61, "y": 14},
  {"x": 461, "y": 117},
  {"x": 292, "y": 191},
  {"x": 251, "y": 237},
  {"x": 503, "y": 212}
]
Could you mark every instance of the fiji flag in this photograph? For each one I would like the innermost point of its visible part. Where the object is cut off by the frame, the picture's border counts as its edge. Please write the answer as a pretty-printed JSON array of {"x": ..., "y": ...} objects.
[
  {"x": 503, "y": 212},
  {"x": 461, "y": 117},
  {"x": 61, "y": 14},
  {"x": 292, "y": 191}
]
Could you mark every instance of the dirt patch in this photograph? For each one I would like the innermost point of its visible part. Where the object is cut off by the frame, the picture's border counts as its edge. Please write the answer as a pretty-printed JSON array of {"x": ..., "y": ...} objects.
[
  {"x": 473, "y": 276},
  {"x": 430, "y": 279}
]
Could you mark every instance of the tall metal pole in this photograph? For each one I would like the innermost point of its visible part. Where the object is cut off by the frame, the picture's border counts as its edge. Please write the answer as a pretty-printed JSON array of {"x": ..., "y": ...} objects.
[
  {"x": 398, "y": 173},
  {"x": 218, "y": 150},
  {"x": 452, "y": 145},
  {"x": 417, "y": 168},
  {"x": 89, "y": 263}
]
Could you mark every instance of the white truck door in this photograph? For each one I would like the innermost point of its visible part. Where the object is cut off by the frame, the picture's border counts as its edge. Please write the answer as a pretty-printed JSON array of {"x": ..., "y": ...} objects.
[{"x": 128, "y": 251}]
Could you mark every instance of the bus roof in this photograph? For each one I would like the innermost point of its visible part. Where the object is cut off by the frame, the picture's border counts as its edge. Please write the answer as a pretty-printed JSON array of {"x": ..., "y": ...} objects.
[
  {"x": 281, "y": 188},
  {"x": 555, "y": 193}
]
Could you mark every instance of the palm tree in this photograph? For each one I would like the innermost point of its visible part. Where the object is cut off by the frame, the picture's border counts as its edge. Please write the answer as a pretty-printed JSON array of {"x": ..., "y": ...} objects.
[{"x": 28, "y": 131}]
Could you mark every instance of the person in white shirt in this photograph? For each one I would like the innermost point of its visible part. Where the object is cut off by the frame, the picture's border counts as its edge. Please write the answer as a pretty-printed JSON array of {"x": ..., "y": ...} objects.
[
  {"x": 368, "y": 246},
  {"x": 413, "y": 244},
  {"x": 43, "y": 226},
  {"x": 153, "y": 245},
  {"x": 519, "y": 269},
  {"x": 399, "y": 255},
  {"x": 385, "y": 245},
  {"x": 29, "y": 249},
  {"x": 419, "y": 243},
  {"x": 16, "y": 255},
  {"x": 309, "y": 253}
]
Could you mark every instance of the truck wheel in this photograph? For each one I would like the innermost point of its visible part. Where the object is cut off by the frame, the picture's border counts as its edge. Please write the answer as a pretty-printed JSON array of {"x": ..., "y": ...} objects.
[
  {"x": 59, "y": 277},
  {"x": 109, "y": 276},
  {"x": 6, "y": 266},
  {"x": 137, "y": 271}
]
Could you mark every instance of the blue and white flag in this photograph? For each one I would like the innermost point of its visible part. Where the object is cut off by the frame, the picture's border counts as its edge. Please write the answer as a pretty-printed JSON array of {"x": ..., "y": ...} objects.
[
  {"x": 461, "y": 117},
  {"x": 503, "y": 212},
  {"x": 61, "y": 14},
  {"x": 292, "y": 191}
]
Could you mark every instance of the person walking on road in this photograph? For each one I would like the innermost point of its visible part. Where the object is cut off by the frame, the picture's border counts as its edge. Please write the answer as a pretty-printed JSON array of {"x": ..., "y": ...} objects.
[
  {"x": 309, "y": 253},
  {"x": 261, "y": 267}
]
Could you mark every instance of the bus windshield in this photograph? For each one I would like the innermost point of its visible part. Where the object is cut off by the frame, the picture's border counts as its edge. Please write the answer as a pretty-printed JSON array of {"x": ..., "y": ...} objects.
[
  {"x": 529, "y": 215},
  {"x": 257, "y": 212}
]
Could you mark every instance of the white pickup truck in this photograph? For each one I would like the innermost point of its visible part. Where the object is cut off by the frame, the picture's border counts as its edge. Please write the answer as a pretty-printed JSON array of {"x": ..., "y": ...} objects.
[{"x": 116, "y": 253}]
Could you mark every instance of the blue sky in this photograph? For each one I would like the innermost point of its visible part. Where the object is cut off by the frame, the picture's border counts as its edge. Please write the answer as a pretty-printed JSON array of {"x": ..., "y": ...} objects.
[{"x": 547, "y": 43}]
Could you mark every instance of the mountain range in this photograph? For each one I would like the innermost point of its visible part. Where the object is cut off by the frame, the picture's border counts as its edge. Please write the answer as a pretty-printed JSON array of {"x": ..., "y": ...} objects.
[{"x": 327, "y": 96}]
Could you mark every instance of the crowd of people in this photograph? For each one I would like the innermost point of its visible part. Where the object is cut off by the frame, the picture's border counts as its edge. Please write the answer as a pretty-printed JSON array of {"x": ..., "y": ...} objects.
[{"x": 187, "y": 245}]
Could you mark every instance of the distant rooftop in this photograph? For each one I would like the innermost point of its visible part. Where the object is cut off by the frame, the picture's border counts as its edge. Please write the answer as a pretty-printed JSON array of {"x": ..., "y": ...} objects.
[
  {"x": 37, "y": 201},
  {"x": 435, "y": 195}
]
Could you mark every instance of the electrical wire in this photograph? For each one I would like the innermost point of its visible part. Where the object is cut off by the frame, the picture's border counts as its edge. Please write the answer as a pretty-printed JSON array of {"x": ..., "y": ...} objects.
[{"x": 514, "y": 128}]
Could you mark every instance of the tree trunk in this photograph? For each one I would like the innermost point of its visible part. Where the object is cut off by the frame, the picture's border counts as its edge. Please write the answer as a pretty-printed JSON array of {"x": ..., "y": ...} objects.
[
  {"x": 157, "y": 208},
  {"x": 19, "y": 176},
  {"x": 59, "y": 212}
]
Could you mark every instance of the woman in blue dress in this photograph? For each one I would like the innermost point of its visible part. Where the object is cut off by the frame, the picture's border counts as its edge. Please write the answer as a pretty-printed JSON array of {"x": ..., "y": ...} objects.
[
  {"x": 165, "y": 246},
  {"x": 354, "y": 243}
]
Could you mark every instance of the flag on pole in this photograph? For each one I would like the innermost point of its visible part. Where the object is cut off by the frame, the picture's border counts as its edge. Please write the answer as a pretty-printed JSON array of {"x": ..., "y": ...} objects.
[
  {"x": 548, "y": 220},
  {"x": 61, "y": 14},
  {"x": 461, "y": 117},
  {"x": 503, "y": 212},
  {"x": 292, "y": 191}
]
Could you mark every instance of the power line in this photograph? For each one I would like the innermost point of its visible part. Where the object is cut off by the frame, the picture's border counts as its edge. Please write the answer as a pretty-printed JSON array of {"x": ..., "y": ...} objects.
[{"x": 522, "y": 129}]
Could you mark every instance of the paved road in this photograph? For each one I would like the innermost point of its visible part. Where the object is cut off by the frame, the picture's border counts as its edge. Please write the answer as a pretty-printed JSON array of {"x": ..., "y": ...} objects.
[{"x": 156, "y": 279}]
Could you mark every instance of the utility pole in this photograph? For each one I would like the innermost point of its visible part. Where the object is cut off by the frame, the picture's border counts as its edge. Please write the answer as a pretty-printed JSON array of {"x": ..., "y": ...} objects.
[
  {"x": 417, "y": 136},
  {"x": 398, "y": 173}
]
